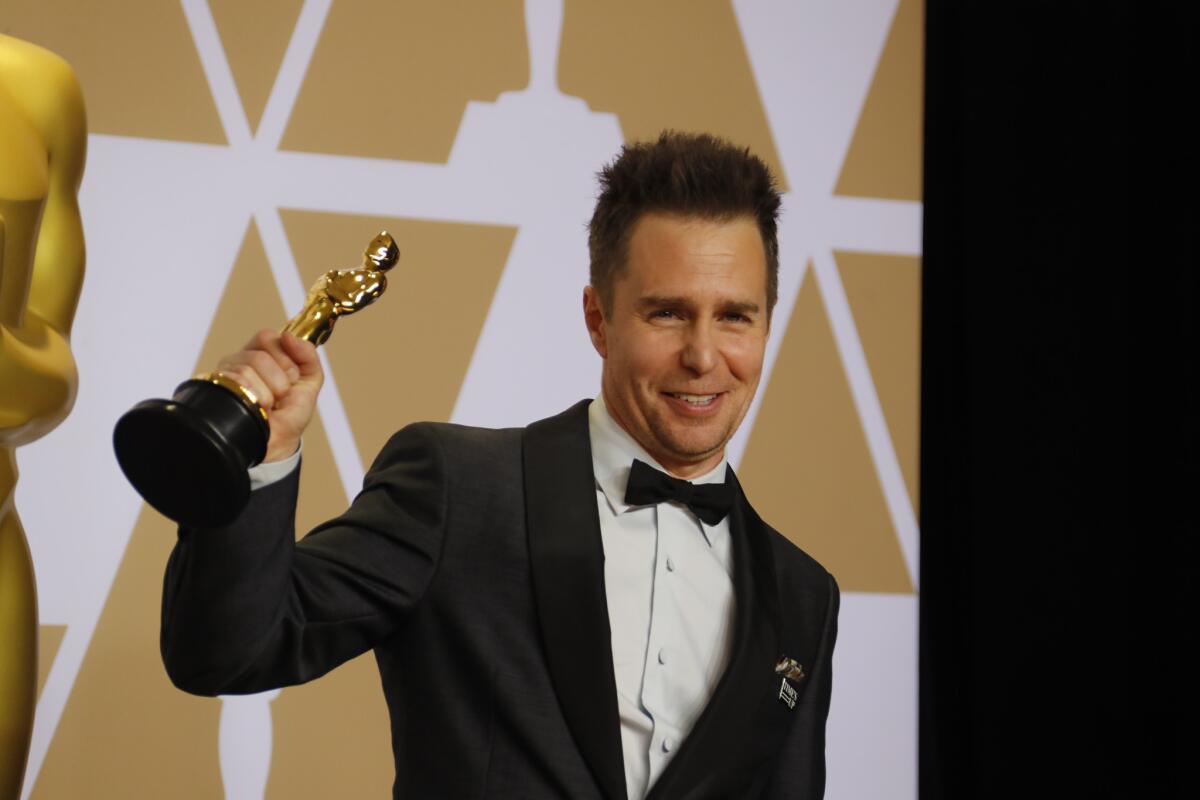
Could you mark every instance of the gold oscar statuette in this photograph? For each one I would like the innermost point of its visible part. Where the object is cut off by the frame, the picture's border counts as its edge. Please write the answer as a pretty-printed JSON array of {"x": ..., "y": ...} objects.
[
  {"x": 189, "y": 456},
  {"x": 43, "y": 138}
]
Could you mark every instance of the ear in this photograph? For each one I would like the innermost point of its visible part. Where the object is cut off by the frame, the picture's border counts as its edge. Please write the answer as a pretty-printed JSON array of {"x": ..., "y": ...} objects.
[{"x": 593, "y": 317}]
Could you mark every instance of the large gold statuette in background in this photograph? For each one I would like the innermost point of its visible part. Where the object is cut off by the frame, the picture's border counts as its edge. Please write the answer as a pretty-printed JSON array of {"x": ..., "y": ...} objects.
[
  {"x": 43, "y": 136},
  {"x": 189, "y": 456}
]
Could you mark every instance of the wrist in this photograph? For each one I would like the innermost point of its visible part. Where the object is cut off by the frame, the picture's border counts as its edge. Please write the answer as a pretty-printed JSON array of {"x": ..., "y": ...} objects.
[{"x": 280, "y": 451}]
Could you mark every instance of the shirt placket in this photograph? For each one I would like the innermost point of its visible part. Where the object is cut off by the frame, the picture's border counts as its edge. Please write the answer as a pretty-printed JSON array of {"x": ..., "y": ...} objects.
[{"x": 662, "y": 650}]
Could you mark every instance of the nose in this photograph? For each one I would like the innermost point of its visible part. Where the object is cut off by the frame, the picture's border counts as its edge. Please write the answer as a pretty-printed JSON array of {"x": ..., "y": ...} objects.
[{"x": 699, "y": 354}]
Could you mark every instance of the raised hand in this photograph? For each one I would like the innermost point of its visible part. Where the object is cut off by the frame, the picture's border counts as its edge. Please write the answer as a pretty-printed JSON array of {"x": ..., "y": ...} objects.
[{"x": 285, "y": 375}]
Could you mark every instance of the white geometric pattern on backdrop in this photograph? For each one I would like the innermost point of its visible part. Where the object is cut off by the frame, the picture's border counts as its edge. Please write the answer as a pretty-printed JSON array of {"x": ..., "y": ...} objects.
[{"x": 159, "y": 214}]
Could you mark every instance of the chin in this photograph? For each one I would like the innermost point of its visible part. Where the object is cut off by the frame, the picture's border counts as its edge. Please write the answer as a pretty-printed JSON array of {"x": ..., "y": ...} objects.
[{"x": 691, "y": 448}]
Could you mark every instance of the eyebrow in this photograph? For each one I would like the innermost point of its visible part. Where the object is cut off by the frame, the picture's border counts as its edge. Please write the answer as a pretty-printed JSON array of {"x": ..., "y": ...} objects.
[
  {"x": 743, "y": 307},
  {"x": 662, "y": 301}
]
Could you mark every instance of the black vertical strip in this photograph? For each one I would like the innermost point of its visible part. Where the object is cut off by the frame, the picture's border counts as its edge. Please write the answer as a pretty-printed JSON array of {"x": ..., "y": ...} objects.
[
  {"x": 1058, "y": 474},
  {"x": 1165, "y": 374},
  {"x": 944, "y": 713}
]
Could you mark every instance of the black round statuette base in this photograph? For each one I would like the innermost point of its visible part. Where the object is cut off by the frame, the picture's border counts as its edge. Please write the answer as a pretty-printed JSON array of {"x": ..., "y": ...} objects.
[{"x": 188, "y": 456}]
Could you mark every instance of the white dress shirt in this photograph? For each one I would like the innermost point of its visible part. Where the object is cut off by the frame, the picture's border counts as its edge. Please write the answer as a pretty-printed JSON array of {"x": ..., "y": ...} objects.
[
  {"x": 668, "y": 578},
  {"x": 669, "y": 585}
]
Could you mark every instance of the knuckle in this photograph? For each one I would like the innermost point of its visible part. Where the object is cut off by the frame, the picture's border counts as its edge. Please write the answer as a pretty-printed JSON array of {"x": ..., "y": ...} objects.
[
  {"x": 261, "y": 361},
  {"x": 266, "y": 338},
  {"x": 247, "y": 373},
  {"x": 232, "y": 360}
]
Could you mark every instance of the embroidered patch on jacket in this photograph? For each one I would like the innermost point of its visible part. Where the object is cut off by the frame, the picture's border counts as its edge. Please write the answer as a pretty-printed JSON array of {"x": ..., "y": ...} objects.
[{"x": 787, "y": 693}]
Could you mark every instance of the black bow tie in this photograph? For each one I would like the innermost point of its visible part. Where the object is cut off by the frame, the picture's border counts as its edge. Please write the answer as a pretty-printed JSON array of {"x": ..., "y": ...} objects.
[{"x": 708, "y": 501}]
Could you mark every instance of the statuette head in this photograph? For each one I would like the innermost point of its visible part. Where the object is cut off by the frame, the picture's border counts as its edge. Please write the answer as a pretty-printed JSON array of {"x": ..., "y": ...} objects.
[{"x": 382, "y": 253}]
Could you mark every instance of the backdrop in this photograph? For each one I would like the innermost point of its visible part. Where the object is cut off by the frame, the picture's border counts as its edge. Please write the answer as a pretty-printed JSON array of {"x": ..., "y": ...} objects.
[{"x": 238, "y": 150}]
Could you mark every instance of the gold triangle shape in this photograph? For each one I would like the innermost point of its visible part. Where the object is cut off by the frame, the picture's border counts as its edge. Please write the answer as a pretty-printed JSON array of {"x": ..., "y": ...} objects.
[
  {"x": 807, "y": 469},
  {"x": 420, "y": 63},
  {"x": 136, "y": 62},
  {"x": 404, "y": 359},
  {"x": 50, "y": 638},
  {"x": 125, "y": 727},
  {"x": 885, "y": 297},
  {"x": 680, "y": 64},
  {"x": 332, "y": 737},
  {"x": 884, "y": 159},
  {"x": 255, "y": 37}
]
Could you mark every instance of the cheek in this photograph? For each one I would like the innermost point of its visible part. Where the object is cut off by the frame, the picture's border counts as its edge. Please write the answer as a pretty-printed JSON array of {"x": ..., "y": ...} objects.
[
  {"x": 650, "y": 358},
  {"x": 745, "y": 360}
]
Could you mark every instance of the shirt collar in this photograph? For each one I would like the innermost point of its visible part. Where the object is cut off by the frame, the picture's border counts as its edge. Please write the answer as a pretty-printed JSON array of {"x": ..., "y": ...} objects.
[{"x": 613, "y": 452}]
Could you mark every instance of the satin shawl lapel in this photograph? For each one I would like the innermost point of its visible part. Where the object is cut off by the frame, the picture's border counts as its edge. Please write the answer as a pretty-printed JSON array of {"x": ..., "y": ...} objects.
[
  {"x": 567, "y": 562},
  {"x": 743, "y": 723}
]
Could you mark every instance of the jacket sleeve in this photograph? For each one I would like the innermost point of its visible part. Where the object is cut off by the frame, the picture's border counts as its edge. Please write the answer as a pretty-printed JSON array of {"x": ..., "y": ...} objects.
[
  {"x": 247, "y": 608},
  {"x": 800, "y": 766}
]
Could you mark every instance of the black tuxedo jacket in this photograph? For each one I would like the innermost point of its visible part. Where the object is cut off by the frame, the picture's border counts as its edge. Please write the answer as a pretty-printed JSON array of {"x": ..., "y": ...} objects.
[{"x": 472, "y": 563}]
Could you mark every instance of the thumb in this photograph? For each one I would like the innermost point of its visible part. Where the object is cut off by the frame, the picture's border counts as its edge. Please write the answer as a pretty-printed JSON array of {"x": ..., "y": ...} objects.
[{"x": 303, "y": 353}]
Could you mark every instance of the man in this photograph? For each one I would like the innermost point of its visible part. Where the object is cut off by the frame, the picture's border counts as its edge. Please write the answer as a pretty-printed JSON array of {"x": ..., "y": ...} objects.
[{"x": 554, "y": 616}]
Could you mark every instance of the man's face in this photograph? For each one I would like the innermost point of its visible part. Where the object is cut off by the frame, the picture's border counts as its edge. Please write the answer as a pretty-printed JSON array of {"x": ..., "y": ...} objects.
[{"x": 683, "y": 344}]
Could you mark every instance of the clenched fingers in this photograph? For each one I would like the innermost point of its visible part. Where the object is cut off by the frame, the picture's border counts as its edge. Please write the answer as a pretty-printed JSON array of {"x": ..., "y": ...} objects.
[{"x": 259, "y": 372}]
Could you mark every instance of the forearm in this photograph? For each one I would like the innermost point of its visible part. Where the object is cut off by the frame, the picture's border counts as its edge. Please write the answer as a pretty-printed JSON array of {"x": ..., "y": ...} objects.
[
  {"x": 57, "y": 277},
  {"x": 226, "y": 591},
  {"x": 58, "y": 265}
]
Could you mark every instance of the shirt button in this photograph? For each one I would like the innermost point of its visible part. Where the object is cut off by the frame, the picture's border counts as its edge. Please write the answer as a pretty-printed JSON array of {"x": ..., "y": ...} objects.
[
  {"x": 666, "y": 745},
  {"x": 662, "y": 656},
  {"x": 670, "y": 564}
]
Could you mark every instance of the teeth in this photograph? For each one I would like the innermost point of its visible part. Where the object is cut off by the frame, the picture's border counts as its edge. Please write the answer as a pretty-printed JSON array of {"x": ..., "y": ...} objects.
[{"x": 695, "y": 399}]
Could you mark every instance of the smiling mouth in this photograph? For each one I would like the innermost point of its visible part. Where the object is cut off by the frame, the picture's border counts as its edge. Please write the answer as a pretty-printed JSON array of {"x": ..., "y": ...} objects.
[{"x": 694, "y": 399}]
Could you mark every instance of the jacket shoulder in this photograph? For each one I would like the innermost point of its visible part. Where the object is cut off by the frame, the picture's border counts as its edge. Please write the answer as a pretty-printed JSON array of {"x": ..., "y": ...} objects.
[
  {"x": 469, "y": 445},
  {"x": 798, "y": 570},
  {"x": 459, "y": 448},
  {"x": 454, "y": 435}
]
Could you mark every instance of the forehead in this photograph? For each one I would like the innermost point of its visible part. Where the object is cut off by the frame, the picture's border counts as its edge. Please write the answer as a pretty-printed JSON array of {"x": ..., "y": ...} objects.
[{"x": 686, "y": 256}]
